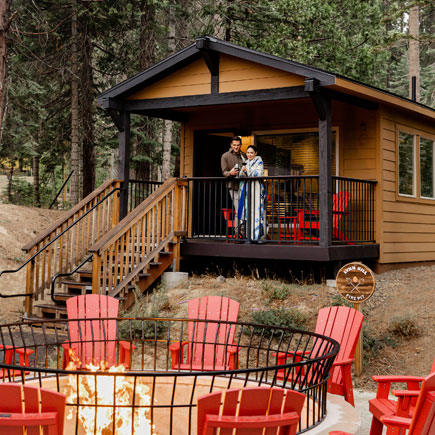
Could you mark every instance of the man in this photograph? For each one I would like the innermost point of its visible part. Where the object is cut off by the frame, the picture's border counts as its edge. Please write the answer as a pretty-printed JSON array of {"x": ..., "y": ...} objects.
[{"x": 231, "y": 163}]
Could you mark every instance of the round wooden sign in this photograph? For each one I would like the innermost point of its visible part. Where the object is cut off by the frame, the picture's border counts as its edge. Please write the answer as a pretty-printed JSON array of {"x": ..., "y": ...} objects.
[{"x": 355, "y": 282}]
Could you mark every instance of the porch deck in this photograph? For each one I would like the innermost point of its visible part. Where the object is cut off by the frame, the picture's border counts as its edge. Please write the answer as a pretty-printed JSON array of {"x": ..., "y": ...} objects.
[{"x": 273, "y": 251}]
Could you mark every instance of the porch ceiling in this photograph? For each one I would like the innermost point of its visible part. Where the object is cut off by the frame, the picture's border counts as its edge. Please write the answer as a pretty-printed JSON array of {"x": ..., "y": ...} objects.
[{"x": 270, "y": 251}]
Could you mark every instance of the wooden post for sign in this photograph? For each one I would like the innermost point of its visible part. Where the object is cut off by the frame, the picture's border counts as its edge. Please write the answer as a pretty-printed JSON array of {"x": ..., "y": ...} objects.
[
  {"x": 356, "y": 283},
  {"x": 359, "y": 349}
]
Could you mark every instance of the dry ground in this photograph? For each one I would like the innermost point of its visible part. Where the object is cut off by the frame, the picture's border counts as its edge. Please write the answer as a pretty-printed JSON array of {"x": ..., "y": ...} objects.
[{"x": 406, "y": 292}]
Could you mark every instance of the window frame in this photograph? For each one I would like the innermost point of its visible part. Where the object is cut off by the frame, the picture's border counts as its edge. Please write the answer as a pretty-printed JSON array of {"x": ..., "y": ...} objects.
[{"x": 417, "y": 134}]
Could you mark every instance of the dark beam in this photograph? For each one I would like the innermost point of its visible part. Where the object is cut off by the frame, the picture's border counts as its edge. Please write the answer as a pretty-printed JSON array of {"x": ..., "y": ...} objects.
[
  {"x": 275, "y": 94},
  {"x": 124, "y": 163},
  {"x": 116, "y": 119},
  {"x": 325, "y": 172},
  {"x": 278, "y": 252},
  {"x": 350, "y": 99},
  {"x": 211, "y": 58}
]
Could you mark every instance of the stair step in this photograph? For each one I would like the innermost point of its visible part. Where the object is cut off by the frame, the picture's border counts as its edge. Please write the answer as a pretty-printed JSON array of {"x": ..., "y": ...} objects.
[
  {"x": 51, "y": 307},
  {"x": 155, "y": 263}
]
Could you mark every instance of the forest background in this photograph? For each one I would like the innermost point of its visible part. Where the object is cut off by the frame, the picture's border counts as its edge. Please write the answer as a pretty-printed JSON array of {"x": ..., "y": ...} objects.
[{"x": 56, "y": 56}]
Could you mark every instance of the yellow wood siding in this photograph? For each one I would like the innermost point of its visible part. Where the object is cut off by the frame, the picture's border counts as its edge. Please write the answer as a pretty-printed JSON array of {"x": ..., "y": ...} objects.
[
  {"x": 241, "y": 75},
  {"x": 408, "y": 223},
  {"x": 194, "y": 79},
  {"x": 359, "y": 143}
]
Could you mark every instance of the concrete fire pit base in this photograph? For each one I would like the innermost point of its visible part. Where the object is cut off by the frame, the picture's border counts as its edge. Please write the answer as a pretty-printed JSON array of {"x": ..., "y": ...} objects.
[{"x": 341, "y": 415}]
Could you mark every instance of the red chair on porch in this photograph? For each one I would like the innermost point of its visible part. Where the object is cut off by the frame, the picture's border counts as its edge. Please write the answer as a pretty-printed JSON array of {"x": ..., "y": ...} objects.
[
  {"x": 308, "y": 220},
  {"x": 39, "y": 409},
  {"x": 343, "y": 324},
  {"x": 422, "y": 421},
  {"x": 260, "y": 408},
  {"x": 382, "y": 406},
  {"x": 230, "y": 223},
  {"x": 210, "y": 345},
  {"x": 93, "y": 339}
]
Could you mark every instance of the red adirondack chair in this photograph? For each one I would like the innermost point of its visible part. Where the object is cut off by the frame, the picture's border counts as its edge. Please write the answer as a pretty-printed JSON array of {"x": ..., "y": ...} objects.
[
  {"x": 381, "y": 406},
  {"x": 259, "y": 408},
  {"x": 308, "y": 220},
  {"x": 343, "y": 324},
  {"x": 210, "y": 343},
  {"x": 422, "y": 421},
  {"x": 8, "y": 359},
  {"x": 94, "y": 341},
  {"x": 40, "y": 409},
  {"x": 230, "y": 223}
]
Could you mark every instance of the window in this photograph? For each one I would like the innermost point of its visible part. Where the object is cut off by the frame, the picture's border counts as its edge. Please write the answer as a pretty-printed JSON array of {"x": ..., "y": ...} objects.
[
  {"x": 293, "y": 153},
  {"x": 416, "y": 165},
  {"x": 426, "y": 168},
  {"x": 406, "y": 164}
]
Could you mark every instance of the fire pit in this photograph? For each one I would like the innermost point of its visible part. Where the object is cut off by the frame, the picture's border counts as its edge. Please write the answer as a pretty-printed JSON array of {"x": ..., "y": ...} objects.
[{"x": 149, "y": 394}]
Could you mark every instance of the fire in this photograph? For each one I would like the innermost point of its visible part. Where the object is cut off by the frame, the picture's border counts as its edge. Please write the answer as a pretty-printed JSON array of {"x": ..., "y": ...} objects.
[{"x": 95, "y": 395}]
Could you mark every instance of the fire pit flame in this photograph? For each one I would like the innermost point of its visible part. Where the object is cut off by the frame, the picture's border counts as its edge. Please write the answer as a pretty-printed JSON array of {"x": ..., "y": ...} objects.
[{"x": 95, "y": 397}]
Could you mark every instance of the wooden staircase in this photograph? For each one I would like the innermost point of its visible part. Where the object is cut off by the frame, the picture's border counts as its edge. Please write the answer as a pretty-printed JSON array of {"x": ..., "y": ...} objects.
[{"x": 127, "y": 256}]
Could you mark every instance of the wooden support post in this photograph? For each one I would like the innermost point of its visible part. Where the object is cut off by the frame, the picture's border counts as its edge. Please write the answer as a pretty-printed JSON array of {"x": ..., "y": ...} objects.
[
  {"x": 359, "y": 349},
  {"x": 325, "y": 176},
  {"x": 124, "y": 163},
  {"x": 115, "y": 205},
  {"x": 322, "y": 103},
  {"x": 30, "y": 280},
  {"x": 96, "y": 273}
]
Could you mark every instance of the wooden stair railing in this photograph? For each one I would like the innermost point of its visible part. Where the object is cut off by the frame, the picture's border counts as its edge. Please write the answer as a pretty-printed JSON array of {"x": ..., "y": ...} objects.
[
  {"x": 60, "y": 253},
  {"x": 123, "y": 254}
]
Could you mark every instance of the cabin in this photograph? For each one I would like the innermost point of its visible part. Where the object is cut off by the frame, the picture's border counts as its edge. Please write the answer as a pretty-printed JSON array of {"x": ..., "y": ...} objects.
[{"x": 349, "y": 173}]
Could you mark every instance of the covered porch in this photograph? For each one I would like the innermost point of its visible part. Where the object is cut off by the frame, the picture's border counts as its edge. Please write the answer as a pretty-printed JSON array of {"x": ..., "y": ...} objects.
[{"x": 317, "y": 143}]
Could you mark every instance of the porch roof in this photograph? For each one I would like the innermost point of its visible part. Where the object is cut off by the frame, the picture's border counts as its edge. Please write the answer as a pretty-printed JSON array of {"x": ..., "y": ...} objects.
[{"x": 208, "y": 48}]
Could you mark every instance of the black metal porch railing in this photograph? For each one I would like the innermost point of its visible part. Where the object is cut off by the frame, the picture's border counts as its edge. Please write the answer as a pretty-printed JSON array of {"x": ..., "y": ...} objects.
[
  {"x": 282, "y": 209},
  {"x": 139, "y": 190}
]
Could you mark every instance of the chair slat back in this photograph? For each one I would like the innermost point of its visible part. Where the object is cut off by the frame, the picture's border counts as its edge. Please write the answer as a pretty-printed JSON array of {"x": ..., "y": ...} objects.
[
  {"x": 33, "y": 403},
  {"x": 343, "y": 324},
  {"x": 209, "y": 341},
  {"x": 256, "y": 402},
  {"x": 340, "y": 202},
  {"x": 423, "y": 420},
  {"x": 94, "y": 340}
]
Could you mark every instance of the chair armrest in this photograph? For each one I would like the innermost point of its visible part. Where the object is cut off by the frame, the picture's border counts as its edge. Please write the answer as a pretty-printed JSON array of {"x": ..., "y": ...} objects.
[
  {"x": 125, "y": 352},
  {"x": 405, "y": 393},
  {"x": 232, "y": 349},
  {"x": 384, "y": 384},
  {"x": 394, "y": 420},
  {"x": 23, "y": 355},
  {"x": 344, "y": 362},
  {"x": 177, "y": 353},
  {"x": 392, "y": 378}
]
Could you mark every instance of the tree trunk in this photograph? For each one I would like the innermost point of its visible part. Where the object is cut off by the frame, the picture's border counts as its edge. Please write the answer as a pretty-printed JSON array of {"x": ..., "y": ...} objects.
[
  {"x": 87, "y": 112},
  {"x": 167, "y": 126},
  {"x": 75, "y": 158},
  {"x": 36, "y": 194},
  {"x": 147, "y": 47},
  {"x": 414, "y": 52},
  {"x": 10, "y": 176},
  {"x": 4, "y": 23}
]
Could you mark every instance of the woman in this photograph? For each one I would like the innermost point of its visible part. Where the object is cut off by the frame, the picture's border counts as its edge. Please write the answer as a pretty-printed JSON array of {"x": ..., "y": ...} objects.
[{"x": 252, "y": 193}]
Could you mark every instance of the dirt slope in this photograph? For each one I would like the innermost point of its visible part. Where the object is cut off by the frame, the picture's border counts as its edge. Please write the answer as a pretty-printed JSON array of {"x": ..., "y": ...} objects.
[
  {"x": 399, "y": 293},
  {"x": 18, "y": 226}
]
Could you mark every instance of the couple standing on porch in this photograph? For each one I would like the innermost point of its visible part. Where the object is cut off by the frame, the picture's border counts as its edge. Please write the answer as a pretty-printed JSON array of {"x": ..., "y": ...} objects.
[{"x": 247, "y": 195}]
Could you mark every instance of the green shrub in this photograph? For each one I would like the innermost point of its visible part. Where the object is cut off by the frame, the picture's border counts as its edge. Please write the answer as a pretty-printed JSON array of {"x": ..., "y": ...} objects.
[
  {"x": 372, "y": 344},
  {"x": 271, "y": 292},
  {"x": 21, "y": 192},
  {"x": 145, "y": 306},
  {"x": 404, "y": 326},
  {"x": 338, "y": 301},
  {"x": 279, "y": 317}
]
